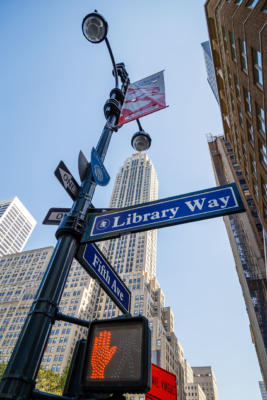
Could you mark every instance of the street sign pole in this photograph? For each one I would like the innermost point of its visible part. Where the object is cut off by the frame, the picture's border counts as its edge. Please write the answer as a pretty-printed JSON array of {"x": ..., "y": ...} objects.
[{"x": 19, "y": 378}]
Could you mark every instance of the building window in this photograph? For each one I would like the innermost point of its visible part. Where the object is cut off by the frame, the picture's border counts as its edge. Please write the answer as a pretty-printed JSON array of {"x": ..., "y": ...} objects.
[
  {"x": 233, "y": 103},
  {"x": 264, "y": 189},
  {"x": 257, "y": 67},
  {"x": 250, "y": 133},
  {"x": 225, "y": 39},
  {"x": 237, "y": 87},
  {"x": 251, "y": 3},
  {"x": 247, "y": 97},
  {"x": 256, "y": 190},
  {"x": 230, "y": 77},
  {"x": 254, "y": 168},
  {"x": 243, "y": 51},
  {"x": 245, "y": 150},
  {"x": 241, "y": 117},
  {"x": 233, "y": 48},
  {"x": 261, "y": 119},
  {"x": 263, "y": 155}
]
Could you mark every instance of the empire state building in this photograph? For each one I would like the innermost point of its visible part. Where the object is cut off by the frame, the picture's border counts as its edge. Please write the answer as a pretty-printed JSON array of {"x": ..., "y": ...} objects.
[{"x": 133, "y": 257}]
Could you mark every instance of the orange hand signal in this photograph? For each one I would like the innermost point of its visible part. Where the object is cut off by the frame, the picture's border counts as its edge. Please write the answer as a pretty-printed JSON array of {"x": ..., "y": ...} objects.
[{"x": 102, "y": 353}]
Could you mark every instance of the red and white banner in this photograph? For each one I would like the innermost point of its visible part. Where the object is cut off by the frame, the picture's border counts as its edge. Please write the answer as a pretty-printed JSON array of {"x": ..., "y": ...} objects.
[{"x": 143, "y": 97}]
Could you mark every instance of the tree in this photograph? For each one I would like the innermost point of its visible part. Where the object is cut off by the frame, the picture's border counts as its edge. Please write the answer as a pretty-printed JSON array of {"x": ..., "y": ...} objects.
[
  {"x": 2, "y": 369},
  {"x": 47, "y": 381}
]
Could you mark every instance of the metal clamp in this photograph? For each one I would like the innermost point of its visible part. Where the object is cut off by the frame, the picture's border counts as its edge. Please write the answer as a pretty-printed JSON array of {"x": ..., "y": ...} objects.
[
  {"x": 70, "y": 224},
  {"x": 112, "y": 106},
  {"x": 117, "y": 94},
  {"x": 47, "y": 307}
]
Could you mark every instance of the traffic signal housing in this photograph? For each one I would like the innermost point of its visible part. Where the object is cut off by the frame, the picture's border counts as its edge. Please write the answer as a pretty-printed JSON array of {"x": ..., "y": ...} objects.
[{"x": 118, "y": 356}]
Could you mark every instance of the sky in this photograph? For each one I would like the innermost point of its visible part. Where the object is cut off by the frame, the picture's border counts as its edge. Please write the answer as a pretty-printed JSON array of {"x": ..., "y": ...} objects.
[{"x": 53, "y": 85}]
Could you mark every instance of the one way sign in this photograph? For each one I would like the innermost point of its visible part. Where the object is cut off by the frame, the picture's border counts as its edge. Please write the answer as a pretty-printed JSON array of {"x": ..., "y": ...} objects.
[
  {"x": 55, "y": 215},
  {"x": 67, "y": 181}
]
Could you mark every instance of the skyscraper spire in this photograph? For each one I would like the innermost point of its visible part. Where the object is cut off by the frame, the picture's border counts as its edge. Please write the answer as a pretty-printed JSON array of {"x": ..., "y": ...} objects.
[{"x": 133, "y": 256}]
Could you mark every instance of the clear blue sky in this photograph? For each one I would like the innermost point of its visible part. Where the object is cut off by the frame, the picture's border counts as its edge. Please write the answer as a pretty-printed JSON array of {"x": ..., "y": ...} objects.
[{"x": 53, "y": 85}]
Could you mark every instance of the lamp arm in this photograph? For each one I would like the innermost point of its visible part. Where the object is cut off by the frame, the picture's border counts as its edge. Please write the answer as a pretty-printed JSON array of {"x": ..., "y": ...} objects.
[
  {"x": 113, "y": 63},
  {"x": 139, "y": 124}
]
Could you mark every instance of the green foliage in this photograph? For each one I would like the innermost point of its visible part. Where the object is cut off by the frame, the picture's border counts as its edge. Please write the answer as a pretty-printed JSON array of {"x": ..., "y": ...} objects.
[
  {"x": 47, "y": 381},
  {"x": 2, "y": 369},
  {"x": 52, "y": 382}
]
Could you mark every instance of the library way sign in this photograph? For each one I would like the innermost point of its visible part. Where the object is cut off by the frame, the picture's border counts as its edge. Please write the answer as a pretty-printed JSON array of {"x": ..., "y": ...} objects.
[{"x": 208, "y": 203}]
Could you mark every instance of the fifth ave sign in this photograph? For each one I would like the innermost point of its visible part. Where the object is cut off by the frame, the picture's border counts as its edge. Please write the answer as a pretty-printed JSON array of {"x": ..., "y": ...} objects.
[
  {"x": 208, "y": 203},
  {"x": 95, "y": 263}
]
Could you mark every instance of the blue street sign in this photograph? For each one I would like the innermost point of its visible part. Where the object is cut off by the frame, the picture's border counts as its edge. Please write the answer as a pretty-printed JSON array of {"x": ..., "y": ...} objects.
[
  {"x": 94, "y": 262},
  {"x": 100, "y": 173},
  {"x": 208, "y": 203}
]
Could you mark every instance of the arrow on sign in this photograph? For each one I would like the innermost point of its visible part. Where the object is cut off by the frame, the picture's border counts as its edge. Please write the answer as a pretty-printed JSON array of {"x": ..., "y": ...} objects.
[
  {"x": 67, "y": 180},
  {"x": 208, "y": 203}
]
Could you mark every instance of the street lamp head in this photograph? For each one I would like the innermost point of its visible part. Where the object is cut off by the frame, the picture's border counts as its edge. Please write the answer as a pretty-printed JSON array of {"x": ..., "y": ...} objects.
[
  {"x": 94, "y": 27},
  {"x": 141, "y": 141}
]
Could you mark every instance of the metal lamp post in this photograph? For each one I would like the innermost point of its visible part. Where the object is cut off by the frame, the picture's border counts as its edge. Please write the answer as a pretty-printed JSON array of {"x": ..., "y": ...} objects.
[{"x": 19, "y": 378}]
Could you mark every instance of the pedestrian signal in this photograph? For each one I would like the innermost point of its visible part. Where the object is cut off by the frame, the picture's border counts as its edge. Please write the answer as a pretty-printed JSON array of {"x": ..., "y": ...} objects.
[{"x": 118, "y": 356}]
